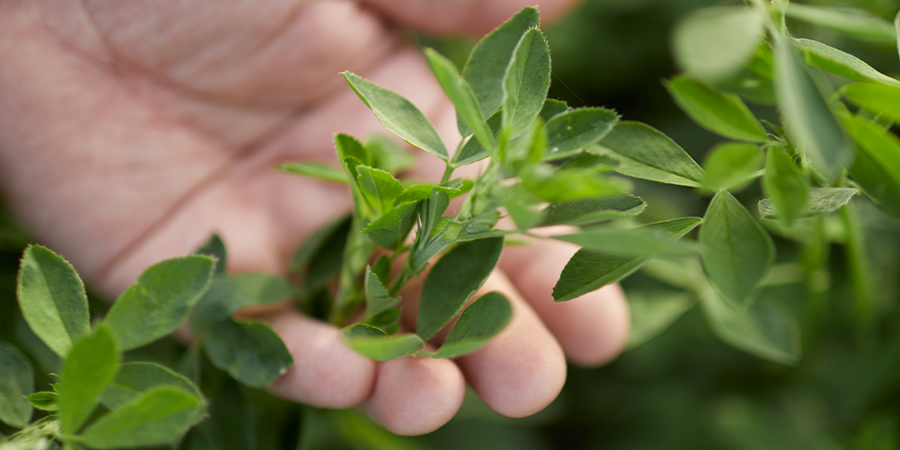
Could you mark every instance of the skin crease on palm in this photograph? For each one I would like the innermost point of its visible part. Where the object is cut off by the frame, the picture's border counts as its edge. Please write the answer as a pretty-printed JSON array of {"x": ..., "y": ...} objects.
[{"x": 129, "y": 131}]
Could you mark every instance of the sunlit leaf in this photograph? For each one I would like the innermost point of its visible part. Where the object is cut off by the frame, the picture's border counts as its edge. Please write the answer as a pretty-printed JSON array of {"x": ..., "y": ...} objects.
[
  {"x": 91, "y": 366},
  {"x": 841, "y": 63},
  {"x": 731, "y": 165},
  {"x": 878, "y": 98},
  {"x": 379, "y": 188},
  {"x": 525, "y": 83}
]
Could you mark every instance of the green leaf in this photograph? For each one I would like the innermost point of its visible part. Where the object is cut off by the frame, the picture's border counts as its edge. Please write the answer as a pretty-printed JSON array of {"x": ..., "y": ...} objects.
[
  {"x": 391, "y": 229},
  {"x": 716, "y": 111},
  {"x": 421, "y": 191},
  {"x": 569, "y": 131},
  {"x": 784, "y": 185},
  {"x": 553, "y": 107},
  {"x": 654, "y": 311},
  {"x": 877, "y": 166},
  {"x": 640, "y": 241},
  {"x": 525, "y": 83},
  {"x": 736, "y": 251},
  {"x": 877, "y": 98},
  {"x": 713, "y": 44},
  {"x": 841, "y": 63},
  {"x": 807, "y": 115},
  {"x": 820, "y": 201},
  {"x": 398, "y": 115},
  {"x": 643, "y": 152},
  {"x": 588, "y": 271},
  {"x": 16, "y": 383},
  {"x": 227, "y": 295},
  {"x": 453, "y": 280},
  {"x": 318, "y": 170},
  {"x": 388, "y": 156},
  {"x": 379, "y": 188},
  {"x": 478, "y": 324},
  {"x": 52, "y": 299},
  {"x": 850, "y": 21},
  {"x": 487, "y": 64},
  {"x": 160, "y": 300},
  {"x": 731, "y": 165},
  {"x": 561, "y": 185},
  {"x": 90, "y": 367},
  {"x": 215, "y": 247},
  {"x": 156, "y": 418},
  {"x": 461, "y": 95},
  {"x": 318, "y": 258},
  {"x": 248, "y": 350},
  {"x": 378, "y": 299},
  {"x": 136, "y": 378},
  {"x": 472, "y": 151},
  {"x": 378, "y": 345},
  {"x": 583, "y": 212},
  {"x": 767, "y": 329},
  {"x": 45, "y": 401}
]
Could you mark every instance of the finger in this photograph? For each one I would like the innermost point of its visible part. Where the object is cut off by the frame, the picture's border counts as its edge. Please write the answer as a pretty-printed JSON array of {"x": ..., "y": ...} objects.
[
  {"x": 326, "y": 373},
  {"x": 592, "y": 329},
  {"x": 416, "y": 395}
]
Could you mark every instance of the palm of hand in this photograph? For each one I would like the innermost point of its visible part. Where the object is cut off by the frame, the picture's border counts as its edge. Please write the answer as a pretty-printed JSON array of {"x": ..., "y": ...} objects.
[{"x": 127, "y": 135}]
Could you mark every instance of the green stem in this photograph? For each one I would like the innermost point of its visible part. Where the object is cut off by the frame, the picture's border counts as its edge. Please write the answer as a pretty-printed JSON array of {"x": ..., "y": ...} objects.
[{"x": 448, "y": 171}]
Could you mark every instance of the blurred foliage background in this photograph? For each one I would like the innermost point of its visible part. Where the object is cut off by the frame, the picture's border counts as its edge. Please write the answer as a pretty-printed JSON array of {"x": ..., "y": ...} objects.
[{"x": 683, "y": 389}]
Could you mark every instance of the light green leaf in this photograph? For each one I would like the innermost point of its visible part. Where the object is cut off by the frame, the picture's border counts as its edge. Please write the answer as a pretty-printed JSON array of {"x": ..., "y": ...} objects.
[
  {"x": 398, "y": 115},
  {"x": 461, "y": 95},
  {"x": 877, "y": 98},
  {"x": 643, "y": 152},
  {"x": 525, "y": 83},
  {"x": 52, "y": 299},
  {"x": 654, "y": 311},
  {"x": 156, "y": 418},
  {"x": 820, "y": 201},
  {"x": 716, "y": 111},
  {"x": 159, "y": 301},
  {"x": 215, "y": 247},
  {"x": 807, "y": 115},
  {"x": 136, "y": 378},
  {"x": 486, "y": 67},
  {"x": 421, "y": 191},
  {"x": 478, "y": 324},
  {"x": 850, "y": 21},
  {"x": 227, "y": 295},
  {"x": 569, "y": 131},
  {"x": 562, "y": 185},
  {"x": 640, "y": 241},
  {"x": 553, "y": 107},
  {"x": 715, "y": 43},
  {"x": 45, "y": 401},
  {"x": 378, "y": 345},
  {"x": 16, "y": 383},
  {"x": 378, "y": 299},
  {"x": 379, "y": 188},
  {"x": 877, "y": 166},
  {"x": 312, "y": 169},
  {"x": 731, "y": 165},
  {"x": 248, "y": 350},
  {"x": 391, "y": 229},
  {"x": 453, "y": 280},
  {"x": 784, "y": 185},
  {"x": 583, "y": 212},
  {"x": 841, "y": 63},
  {"x": 386, "y": 155},
  {"x": 736, "y": 251},
  {"x": 91, "y": 366},
  {"x": 588, "y": 271},
  {"x": 767, "y": 329}
]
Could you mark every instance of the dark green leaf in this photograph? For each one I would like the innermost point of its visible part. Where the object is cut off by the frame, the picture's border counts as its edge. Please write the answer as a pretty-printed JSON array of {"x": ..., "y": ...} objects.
[
  {"x": 388, "y": 321},
  {"x": 452, "y": 280},
  {"x": 819, "y": 201},
  {"x": 461, "y": 95},
  {"x": 378, "y": 345},
  {"x": 378, "y": 299},
  {"x": 91, "y": 365},
  {"x": 158, "y": 417},
  {"x": 767, "y": 329},
  {"x": 588, "y": 271},
  {"x": 784, "y": 185},
  {"x": 645, "y": 153},
  {"x": 159, "y": 301},
  {"x": 850, "y": 21},
  {"x": 654, "y": 311},
  {"x": 582, "y": 212},
  {"x": 52, "y": 299},
  {"x": 135, "y": 378},
  {"x": 318, "y": 258},
  {"x": 552, "y": 107},
  {"x": 640, "y": 241},
  {"x": 715, "y": 43},
  {"x": 16, "y": 383},
  {"x": 838, "y": 62},
  {"x": 877, "y": 166},
  {"x": 379, "y": 188},
  {"x": 525, "y": 83},
  {"x": 878, "y": 98},
  {"x": 736, "y": 251},
  {"x": 227, "y": 295},
  {"x": 398, "y": 115},
  {"x": 247, "y": 350},
  {"x": 215, "y": 248},
  {"x": 718, "y": 112},
  {"x": 731, "y": 165},
  {"x": 318, "y": 170},
  {"x": 45, "y": 401},
  {"x": 568, "y": 132},
  {"x": 807, "y": 115},
  {"x": 478, "y": 324}
]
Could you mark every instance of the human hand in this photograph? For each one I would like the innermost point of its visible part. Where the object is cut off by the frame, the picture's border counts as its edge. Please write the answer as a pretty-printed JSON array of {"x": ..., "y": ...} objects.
[{"x": 129, "y": 133}]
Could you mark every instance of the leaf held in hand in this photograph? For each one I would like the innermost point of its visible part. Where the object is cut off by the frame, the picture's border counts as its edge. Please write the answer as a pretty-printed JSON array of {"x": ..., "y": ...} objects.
[
  {"x": 378, "y": 345},
  {"x": 478, "y": 324},
  {"x": 227, "y": 295},
  {"x": 378, "y": 299},
  {"x": 248, "y": 350}
]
